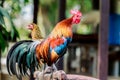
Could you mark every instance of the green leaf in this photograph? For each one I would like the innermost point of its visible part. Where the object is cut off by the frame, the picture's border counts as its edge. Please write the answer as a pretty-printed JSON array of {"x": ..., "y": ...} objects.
[
  {"x": 3, "y": 42},
  {"x": 4, "y": 34},
  {"x": 14, "y": 32},
  {"x": 2, "y": 19},
  {"x": 4, "y": 13},
  {"x": 26, "y": 1}
]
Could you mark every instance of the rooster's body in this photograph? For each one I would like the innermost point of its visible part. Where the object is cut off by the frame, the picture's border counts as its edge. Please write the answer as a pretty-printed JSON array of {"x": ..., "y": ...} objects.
[{"x": 29, "y": 54}]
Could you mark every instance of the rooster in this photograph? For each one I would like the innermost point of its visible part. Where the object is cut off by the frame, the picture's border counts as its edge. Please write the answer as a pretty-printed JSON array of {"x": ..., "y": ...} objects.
[
  {"x": 35, "y": 32},
  {"x": 25, "y": 56}
]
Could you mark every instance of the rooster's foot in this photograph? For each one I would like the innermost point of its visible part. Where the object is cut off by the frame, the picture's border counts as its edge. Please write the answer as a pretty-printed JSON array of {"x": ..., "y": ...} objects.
[
  {"x": 56, "y": 75},
  {"x": 50, "y": 69}
]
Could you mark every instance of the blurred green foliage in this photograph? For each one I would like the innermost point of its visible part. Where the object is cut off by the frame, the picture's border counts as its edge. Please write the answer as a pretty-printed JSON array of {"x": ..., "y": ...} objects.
[
  {"x": 13, "y": 9},
  {"x": 51, "y": 9},
  {"x": 84, "y": 29},
  {"x": 6, "y": 35},
  {"x": 84, "y": 5}
]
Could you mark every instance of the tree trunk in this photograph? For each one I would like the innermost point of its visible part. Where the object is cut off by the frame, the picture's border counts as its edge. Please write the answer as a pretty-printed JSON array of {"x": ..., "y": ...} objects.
[
  {"x": 95, "y": 4},
  {"x": 2, "y": 2},
  {"x": 36, "y": 8},
  {"x": 62, "y": 7}
]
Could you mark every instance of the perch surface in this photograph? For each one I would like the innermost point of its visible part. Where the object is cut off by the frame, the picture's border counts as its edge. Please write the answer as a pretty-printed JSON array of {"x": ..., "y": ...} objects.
[{"x": 60, "y": 75}]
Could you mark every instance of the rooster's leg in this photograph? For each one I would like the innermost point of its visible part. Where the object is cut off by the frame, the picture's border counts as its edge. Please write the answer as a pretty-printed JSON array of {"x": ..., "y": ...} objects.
[
  {"x": 54, "y": 67},
  {"x": 50, "y": 69},
  {"x": 44, "y": 70}
]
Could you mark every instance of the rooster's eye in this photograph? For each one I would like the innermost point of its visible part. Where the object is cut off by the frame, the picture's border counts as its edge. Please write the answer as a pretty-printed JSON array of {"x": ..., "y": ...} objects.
[{"x": 77, "y": 16}]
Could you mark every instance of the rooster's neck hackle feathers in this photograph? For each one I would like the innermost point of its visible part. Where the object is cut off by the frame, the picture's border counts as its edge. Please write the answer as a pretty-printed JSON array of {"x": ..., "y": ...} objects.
[
  {"x": 63, "y": 28},
  {"x": 36, "y": 33}
]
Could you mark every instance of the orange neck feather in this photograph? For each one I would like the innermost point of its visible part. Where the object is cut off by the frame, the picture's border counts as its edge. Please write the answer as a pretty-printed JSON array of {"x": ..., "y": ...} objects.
[{"x": 63, "y": 28}]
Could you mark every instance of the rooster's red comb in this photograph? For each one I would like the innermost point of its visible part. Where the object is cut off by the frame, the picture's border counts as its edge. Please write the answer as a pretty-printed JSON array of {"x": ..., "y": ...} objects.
[{"x": 76, "y": 12}]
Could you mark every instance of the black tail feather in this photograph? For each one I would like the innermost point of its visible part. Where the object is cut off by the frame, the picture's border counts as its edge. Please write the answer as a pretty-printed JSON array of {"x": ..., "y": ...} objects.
[
  {"x": 10, "y": 53},
  {"x": 20, "y": 56}
]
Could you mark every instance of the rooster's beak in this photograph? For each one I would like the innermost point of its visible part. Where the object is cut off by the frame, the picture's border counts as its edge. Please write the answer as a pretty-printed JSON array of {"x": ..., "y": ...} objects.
[{"x": 30, "y": 27}]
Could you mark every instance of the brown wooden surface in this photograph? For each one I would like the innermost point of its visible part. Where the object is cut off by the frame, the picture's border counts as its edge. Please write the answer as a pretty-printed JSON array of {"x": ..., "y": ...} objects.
[
  {"x": 87, "y": 39},
  {"x": 103, "y": 40},
  {"x": 113, "y": 56}
]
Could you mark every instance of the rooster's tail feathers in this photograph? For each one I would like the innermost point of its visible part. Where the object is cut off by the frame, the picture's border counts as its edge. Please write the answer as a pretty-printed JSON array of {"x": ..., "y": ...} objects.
[{"x": 21, "y": 58}]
